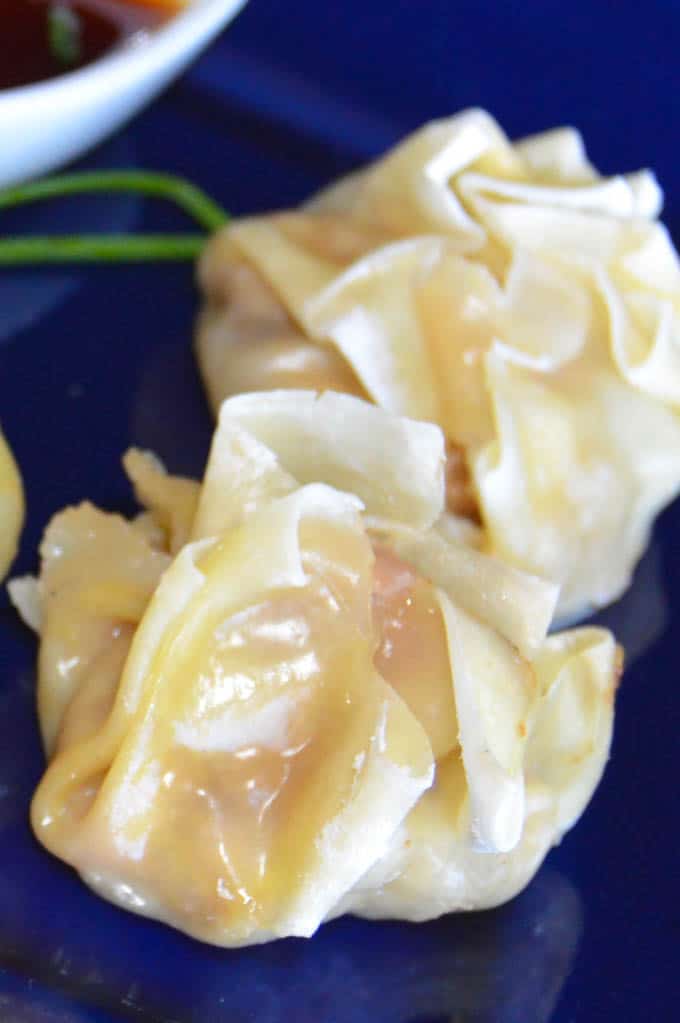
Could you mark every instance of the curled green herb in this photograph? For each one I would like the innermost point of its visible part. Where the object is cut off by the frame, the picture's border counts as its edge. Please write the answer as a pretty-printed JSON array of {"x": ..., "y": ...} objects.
[
  {"x": 188, "y": 197},
  {"x": 111, "y": 248}
]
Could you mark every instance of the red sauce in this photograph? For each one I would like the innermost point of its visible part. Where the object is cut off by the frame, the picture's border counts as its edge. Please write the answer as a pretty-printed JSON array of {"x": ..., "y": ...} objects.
[{"x": 28, "y": 52}]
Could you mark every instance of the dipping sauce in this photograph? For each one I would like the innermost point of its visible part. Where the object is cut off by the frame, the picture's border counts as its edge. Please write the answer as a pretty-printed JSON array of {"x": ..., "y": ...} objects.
[{"x": 44, "y": 38}]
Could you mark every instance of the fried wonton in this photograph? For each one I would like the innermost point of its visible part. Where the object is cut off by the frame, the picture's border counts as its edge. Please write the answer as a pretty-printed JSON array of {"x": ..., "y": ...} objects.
[
  {"x": 290, "y": 692},
  {"x": 504, "y": 291},
  {"x": 11, "y": 507}
]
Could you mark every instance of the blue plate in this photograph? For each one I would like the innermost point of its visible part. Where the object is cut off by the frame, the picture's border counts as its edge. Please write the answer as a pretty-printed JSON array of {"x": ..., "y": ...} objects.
[{"x": 95, "y": 359}]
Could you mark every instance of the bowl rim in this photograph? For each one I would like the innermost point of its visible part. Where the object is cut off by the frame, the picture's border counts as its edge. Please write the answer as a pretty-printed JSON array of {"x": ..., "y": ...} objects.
[{"x": 198, "y": 15}]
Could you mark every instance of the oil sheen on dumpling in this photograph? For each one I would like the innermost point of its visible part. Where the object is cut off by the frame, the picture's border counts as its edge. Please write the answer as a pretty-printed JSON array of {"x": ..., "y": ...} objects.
[
  {"x": 290, "y": 692},
  {"x": 11, "y": 507},
  {"x": 506, "y": 292}
]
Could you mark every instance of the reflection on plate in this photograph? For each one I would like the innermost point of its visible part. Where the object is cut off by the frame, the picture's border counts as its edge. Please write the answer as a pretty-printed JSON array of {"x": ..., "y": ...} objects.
[
  {"x": 28, "y": 295},
  {"x": 504, "y": 966},
  {"x": 640, "y": 617}
]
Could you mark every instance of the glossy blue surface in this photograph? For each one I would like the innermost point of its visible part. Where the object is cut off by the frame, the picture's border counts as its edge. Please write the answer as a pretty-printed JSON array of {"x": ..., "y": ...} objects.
[{"x": 92, "y": 360}]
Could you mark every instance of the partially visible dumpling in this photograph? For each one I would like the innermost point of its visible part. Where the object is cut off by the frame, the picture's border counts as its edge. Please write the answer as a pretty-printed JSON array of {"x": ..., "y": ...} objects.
[
  {"x": 504, "y": 291},
  {"x": 11, "y": 507},
  {"x": 291, "y": 692}
]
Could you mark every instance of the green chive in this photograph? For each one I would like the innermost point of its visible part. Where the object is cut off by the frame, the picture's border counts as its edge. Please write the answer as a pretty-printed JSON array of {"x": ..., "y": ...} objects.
[
  {"x": 140, "y": 248},
  {"x": 188, "y": 197}
]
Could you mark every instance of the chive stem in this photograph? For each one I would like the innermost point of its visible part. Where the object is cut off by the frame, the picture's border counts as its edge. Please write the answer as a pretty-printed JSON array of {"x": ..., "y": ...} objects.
[
  {"x": 188, "y": 197},
  {"x": 112, "y": 248}
]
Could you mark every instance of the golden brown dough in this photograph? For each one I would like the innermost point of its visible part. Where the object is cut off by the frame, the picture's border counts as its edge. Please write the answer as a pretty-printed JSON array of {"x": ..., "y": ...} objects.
[
  {"x": 505, "y": 291},
  {"x": 247, "y": 342},
  {"x": 11, "y": 507},
  {"x": 290, "y": 692}
]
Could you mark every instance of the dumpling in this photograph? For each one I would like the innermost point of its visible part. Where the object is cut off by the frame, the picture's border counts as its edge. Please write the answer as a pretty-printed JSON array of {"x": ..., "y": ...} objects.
[
  {"x": 293, "y": 691},
  {"x": 11, "y": 507},
  {"x": 506, "y": 292}
]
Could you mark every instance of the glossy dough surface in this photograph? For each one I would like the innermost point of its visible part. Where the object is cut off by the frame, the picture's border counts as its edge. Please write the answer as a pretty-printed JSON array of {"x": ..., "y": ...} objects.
[
  {"x": 11, "y": 507},
  {"x": 504, "y": 291},
  {"x": 289, "y": 692}
]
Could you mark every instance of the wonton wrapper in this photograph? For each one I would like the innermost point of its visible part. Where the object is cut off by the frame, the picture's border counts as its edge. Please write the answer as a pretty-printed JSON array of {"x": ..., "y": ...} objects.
[
  {"x": 11, "y": 507},
  {"x": 506, "y": 292},
  {"x": 322, "y": 703}
]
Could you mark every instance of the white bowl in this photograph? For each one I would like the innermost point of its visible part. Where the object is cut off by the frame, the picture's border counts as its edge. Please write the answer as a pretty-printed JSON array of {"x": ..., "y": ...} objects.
[{"x": 47, "y": 124}]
